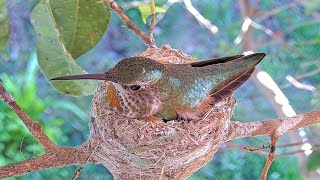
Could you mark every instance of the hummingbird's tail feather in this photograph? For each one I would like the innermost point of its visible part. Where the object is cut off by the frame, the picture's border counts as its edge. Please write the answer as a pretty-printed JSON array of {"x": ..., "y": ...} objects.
[
  {"x": 101, "y": 76},
  {"x": 255, "y": 57},
  {"x": 232, "y": 86},
  {"x": 233, "y": 74}
]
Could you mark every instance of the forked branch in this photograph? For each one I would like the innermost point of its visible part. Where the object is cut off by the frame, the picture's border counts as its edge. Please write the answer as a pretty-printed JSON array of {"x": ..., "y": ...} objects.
[
  {"x": 33, "y": 126},
  {"x": 55, "y": 156},
  {"x": 274, "y": 128}
]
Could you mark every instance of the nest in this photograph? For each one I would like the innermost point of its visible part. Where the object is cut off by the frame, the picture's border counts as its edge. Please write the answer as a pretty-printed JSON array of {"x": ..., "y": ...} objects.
[{"x": 134, "y": 149}]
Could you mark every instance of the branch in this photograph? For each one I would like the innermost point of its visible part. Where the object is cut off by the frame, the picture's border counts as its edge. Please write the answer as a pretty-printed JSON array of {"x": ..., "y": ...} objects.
[
  {"x": 213, "y": 29},
  {"x": 281, "y": 125},
  {"x": 57, "y": 157},
  {"x": 147, "y": 41},
  {"x": 33, "y": 126},
  {"x": 274, "y": 138},
  {"x": 274, "y": 128}
]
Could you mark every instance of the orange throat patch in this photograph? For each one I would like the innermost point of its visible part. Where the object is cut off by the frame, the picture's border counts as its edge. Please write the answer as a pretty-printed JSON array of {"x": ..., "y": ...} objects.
[{"x": 112, "y": 97}]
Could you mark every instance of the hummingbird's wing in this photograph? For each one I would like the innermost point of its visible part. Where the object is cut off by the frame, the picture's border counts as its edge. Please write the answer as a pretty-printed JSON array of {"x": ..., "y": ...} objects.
[{"x": 239, "y": 69}]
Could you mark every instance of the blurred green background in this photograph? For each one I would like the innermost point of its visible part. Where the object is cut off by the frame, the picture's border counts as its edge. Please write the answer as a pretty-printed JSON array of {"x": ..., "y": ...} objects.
[{"x": 292, "y": 50}]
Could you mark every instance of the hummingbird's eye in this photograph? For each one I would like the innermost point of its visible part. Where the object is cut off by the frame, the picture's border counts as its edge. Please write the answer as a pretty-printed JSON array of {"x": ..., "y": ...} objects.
[{"x": 135, "y": 87}]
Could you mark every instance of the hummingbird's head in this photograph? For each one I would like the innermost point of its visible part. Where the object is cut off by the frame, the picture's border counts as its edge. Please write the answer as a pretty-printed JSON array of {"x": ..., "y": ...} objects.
[
  {"x": 132, "y": 86},
  {"x": 138, "y": 70}
]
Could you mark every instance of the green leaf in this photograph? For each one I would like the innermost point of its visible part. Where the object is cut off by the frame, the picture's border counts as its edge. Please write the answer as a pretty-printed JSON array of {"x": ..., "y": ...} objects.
[
  {"x": 146, "y": 11},
  {"x": 4, "y": 24},
  {"x": 313, "y": 162},
  {"x": 81, "y": 23},
  {"x": 53, "y": 58}
]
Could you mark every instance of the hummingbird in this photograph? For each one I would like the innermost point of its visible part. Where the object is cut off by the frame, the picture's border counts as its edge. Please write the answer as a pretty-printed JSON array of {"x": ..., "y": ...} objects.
[{"x": 140, "y": 87}]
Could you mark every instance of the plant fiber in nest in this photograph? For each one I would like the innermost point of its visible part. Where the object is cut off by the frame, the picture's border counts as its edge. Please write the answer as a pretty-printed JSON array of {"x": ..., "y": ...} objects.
[{"x": 134, "y": 149}]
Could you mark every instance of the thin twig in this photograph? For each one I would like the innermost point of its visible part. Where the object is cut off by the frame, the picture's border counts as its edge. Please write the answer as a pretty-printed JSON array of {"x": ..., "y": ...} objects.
[
  {"x": 306, "y": 23},
  {"x": 295, "y": 152},
  {"x": 241, "y": 130},
  {"x": 314, "y": 148},
  {"x": 245, "y": 27},
  {"x": 33, "y": 126},
  {"x": 300, "y": 85},
  {"x": 212, "y": 28},
  {"x": 77, "y": 172},
  {"x": 246, "y": 148},
  {"x": 255, "y": 148},
  {"x": 79, "y": 169},
  {"x": 114, "y": 6},
  {"x": 275, "y": 11},
  {"x": 301, "y": 76},
  {"x": 274, "y": 138},
  {"x": 152, "y": 23},
  {"x": 259, "y": 148}
]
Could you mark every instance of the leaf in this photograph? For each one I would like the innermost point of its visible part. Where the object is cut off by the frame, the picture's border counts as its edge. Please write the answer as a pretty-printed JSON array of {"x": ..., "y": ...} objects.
[
  {"x": 53, "y": 58},
  {"x": 313, "y": 162},
  {"x": 71, "y": 107},
  {"x": 146, "y": 11},
  {"x": 81, "y": 23},
  {"x": 4, "y": 24}
]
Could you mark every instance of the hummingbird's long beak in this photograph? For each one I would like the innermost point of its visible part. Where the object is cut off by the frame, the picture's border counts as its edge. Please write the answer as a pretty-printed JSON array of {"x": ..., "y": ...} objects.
[{"x": 101, "y": 76}]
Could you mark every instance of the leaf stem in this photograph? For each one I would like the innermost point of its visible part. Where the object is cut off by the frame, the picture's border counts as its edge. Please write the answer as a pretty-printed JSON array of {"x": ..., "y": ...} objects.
[{"x": 152, "y": 23}]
